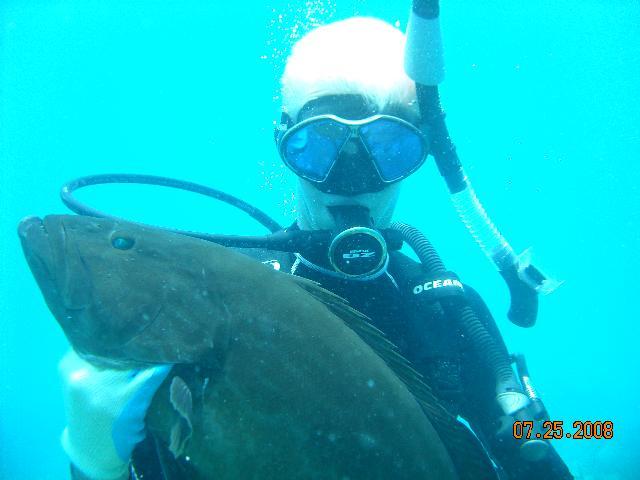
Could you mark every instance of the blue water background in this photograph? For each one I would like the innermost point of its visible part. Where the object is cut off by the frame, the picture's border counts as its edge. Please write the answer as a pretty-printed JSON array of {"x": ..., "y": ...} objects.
[{"x": 542, "y": 101}]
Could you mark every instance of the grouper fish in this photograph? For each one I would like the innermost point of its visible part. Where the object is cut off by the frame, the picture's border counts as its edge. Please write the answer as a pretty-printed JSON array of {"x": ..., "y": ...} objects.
[{"x": 273, "y": 377}]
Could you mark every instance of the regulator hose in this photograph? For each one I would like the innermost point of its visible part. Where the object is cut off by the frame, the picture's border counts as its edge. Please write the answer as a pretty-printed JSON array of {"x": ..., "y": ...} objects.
[{"x": 496, "y": 357}]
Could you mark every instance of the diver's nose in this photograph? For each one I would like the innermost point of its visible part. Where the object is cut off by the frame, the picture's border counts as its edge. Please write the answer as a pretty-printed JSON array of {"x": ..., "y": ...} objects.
[
  {"x": 353, "y": 172},
  {"x": 354, "y": 159}
]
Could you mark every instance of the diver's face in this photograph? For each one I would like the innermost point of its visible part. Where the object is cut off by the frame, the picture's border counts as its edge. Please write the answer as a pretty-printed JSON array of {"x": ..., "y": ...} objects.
[{"x": 356, "y": 167}]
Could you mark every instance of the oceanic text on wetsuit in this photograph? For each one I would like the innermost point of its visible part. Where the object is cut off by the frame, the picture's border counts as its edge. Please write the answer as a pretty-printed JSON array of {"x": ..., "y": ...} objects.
[{"x": 433, "y": 284}]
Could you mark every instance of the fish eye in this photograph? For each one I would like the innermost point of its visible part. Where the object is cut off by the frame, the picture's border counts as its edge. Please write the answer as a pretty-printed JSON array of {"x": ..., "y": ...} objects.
[{"x": 122, "y": 243}]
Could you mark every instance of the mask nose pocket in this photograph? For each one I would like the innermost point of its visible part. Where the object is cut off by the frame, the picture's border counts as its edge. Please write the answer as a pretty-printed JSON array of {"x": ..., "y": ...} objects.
[{"x": 352, "y": 147}]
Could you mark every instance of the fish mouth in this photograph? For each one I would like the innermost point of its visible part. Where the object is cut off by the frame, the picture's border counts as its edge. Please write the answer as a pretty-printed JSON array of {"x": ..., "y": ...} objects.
[
  {"x": 31, "y": 228},
  {"x": 55, "y": 261},
  {"x": 37, "y": 249}
]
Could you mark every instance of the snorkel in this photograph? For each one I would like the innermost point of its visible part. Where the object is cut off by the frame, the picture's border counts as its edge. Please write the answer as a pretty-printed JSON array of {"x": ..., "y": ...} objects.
[{"x": 424, "y": 63}]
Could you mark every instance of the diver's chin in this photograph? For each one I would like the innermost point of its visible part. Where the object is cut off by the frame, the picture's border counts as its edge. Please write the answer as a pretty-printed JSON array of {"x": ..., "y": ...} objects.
[{"x": 314, "y": 206}]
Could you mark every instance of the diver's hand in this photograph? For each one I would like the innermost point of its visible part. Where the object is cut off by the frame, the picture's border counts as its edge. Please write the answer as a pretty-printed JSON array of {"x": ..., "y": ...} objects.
[{"x": 105, "y": 414}]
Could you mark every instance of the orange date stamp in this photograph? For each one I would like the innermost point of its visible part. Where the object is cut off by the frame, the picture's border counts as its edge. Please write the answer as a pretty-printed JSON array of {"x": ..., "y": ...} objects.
[{"x": 582, "y": 430}]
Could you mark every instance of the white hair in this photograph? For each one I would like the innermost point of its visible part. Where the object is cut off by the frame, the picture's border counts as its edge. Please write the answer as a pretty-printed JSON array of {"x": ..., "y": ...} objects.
[{"x": 359, "y": 55}]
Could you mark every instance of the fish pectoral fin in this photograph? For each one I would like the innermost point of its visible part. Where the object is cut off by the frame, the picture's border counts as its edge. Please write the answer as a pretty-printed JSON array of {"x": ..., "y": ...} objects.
[
  {"x": 179, "y": 438},
  {"x": 182, "y": 402}
]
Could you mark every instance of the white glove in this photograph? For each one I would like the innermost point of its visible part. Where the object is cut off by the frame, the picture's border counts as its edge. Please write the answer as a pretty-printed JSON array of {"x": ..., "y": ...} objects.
[{"x": 105, "y": 414}]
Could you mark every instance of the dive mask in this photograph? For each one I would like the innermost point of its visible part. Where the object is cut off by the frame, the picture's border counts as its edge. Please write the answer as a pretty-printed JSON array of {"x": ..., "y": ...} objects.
[{"x": 328, "y": 151}]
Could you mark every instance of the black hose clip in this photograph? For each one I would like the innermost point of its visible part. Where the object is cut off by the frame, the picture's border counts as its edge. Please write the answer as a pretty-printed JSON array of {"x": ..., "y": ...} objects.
[
  {"x": 523, "y": 309},
  {"x": 525, "y": 282}
]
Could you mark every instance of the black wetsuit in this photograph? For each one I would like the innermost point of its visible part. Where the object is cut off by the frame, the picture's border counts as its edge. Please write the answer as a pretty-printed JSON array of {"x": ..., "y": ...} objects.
[{"x": 435, "y": 346}]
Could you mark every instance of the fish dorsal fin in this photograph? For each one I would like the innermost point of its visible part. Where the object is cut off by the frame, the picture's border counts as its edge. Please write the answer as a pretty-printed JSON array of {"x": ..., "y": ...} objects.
[{"x": 466, "y": 452}]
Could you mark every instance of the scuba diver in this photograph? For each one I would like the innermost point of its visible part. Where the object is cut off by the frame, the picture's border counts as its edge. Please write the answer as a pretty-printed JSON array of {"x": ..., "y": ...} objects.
[{"x": 351, "y": 132}]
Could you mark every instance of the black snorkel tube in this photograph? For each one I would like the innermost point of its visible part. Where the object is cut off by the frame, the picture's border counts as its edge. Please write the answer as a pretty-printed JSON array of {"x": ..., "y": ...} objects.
[
  {"x": 424, "y": 63},
  {"x": 307, "y": 243}
]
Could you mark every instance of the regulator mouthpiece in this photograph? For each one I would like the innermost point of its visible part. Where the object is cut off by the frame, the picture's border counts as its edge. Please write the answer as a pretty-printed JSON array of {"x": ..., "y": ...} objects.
[{"x": 356, "y": 249}]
